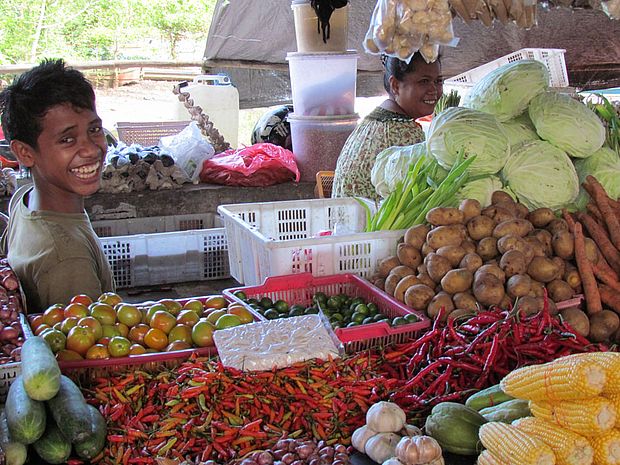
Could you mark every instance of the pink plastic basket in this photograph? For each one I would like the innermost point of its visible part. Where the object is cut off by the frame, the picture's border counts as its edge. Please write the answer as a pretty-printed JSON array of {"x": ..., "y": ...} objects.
[{"x": 299, "y": 289}]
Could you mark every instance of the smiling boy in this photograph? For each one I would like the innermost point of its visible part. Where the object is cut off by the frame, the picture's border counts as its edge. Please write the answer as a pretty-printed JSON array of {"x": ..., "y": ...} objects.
[{"x": 49, "y": 117}]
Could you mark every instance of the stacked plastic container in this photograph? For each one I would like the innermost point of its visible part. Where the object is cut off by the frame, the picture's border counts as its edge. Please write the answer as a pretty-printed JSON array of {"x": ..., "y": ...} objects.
[{"x": 323, "y": 78}]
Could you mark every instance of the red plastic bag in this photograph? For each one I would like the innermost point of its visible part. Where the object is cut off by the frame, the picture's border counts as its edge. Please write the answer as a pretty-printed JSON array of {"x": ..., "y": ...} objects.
[{"x": 258, "y": 165}]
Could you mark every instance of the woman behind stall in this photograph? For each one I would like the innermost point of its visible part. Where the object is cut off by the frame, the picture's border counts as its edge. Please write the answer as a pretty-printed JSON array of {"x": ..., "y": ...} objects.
[{"x": 413, "y": 90}]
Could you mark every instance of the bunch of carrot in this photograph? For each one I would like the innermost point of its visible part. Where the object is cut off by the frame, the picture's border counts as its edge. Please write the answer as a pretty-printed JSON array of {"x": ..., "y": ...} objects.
[{"x": 601, "y": 277}]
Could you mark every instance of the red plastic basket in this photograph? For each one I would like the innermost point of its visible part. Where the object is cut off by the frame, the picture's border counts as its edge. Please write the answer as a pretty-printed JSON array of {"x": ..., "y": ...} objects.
[
  {"x": 299, "y": 289},
  {"x": 84, "y": 370}
]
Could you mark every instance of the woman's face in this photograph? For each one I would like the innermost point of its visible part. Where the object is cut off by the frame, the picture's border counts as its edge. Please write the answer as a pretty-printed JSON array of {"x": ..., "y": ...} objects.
[{"x": 419, "y": 91}]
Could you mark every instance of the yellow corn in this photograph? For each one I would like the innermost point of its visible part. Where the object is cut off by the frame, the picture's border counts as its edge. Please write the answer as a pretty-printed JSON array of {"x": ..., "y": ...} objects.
[
  {"x": 513, "y": 447},
  {"x": 569, "y": 448},
  {"x": 586, "y": 417},
  {"x": 607, "y": 448},
  {"x": 615, "y": 400},
  {"x": 562, "y": 379},
  {"x": 610, "y": 361},
  {"x": 486, "y": 458}
]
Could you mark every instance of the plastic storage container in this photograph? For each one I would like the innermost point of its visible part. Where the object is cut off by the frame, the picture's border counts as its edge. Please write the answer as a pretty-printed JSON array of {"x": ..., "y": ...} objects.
[
  {"x": 318, "y": 140},
  {"x": 279, "y": 238},
  {"x": 299, "y": 289},
  {"x": 323, "y": 84},
  {"x": 219, "y": 100},
  {"x": 310, "y": 37}
]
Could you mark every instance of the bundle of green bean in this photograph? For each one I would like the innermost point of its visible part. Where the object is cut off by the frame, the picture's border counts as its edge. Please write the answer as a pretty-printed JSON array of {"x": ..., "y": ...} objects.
[
  {"x": 447, "y": 100},
  {"x": 417, "y": 193}
]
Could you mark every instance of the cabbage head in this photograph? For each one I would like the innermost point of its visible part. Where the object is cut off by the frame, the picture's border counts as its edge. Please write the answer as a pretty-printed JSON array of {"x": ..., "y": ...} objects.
[
  {"x": 567, "y": 124},
  {"x": 519, "y": 130},
  {"x": 506, "y": 91},
  {"x": 480, "y": 189},
  {"x": 392, "y": 164},
  {"x": 475, "y": 133},
  {"x": 604, "y": 165},
  {"x": 541, "y": 175}
]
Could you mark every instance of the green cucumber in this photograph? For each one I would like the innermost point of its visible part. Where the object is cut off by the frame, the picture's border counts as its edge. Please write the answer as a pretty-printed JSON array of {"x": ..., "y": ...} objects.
[
  {"x": 25, "y": 416},
  {"x": 15, "y": 452},
  {"x": 39, "y": 369},
  {"x": 70, "y": 411},
  {"x": 487, "y": 398},
  {"x": 53, "y": 446},
  {"x": 94, "y": 443},
  {"x": 508, "y": 411}
]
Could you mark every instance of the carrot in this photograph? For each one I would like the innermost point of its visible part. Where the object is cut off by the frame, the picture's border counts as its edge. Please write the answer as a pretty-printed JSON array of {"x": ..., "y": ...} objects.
[
  {"x": 594, "y": 211},
  {"x": 609, "y": 277},
  {"x": 602, "y": 202},
  {"x": 605, "y": 267},
  {"x": 590, "y": 289},
  {"x": 570, "y": 221},
  {"x": 599, "y": 235},
  {"x": 610, "y": 297}
]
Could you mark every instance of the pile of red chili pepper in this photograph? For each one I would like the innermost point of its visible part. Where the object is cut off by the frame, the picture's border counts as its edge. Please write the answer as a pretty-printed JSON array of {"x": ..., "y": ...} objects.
[
  {"x": 202, "y": 410},
  {"x": 451, "y": 362}
]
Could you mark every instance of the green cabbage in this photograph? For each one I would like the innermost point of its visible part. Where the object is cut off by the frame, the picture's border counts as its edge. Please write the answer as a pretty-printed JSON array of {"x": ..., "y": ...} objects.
[
  {"x": 604, "y": 165},
  {"x": 541, "y": 175},
  {"x": 567, "y": 124},
  {"x": 506, "y": 91},
  {"x": 473, "y": 132},
  {"x": 480, "y": 189},
  {"x": 391, "y": 166},
  {"x": 519, "y": 130}
]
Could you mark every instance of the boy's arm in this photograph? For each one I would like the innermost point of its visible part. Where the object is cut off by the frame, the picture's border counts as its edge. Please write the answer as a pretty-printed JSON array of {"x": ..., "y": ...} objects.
[{"x": 67, "y": 279}]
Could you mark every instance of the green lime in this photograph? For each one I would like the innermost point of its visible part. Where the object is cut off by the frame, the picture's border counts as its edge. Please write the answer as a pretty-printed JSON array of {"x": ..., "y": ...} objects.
[
  {"x": 333, "y": 302},
  {"x": 311, "y": 311},
  {"x": 411, "y": 318},
  {"x": 319, "y": 297},
  {"x": 352, "y": 324},
  {"x": 253, "y": 301},
  {"x": 336, "y": 317},
  {"x": 241, "y": 295},
  {"x": 368, "y": 320},
  {"x": 296, "y": 310},
  {"x": 281, "y": 306},
  {"x": 357, "y": 317},
  {"x": 399, "y": 320},
  {"x": 271, "y": 314},
  {"x": 357, "y": 301},
  {"x": 336, "y": 325},
  {"x": 379, "y": 317},
  {"x": 372, "y": 307},
  {"x": 362, "y": 308},
  {"x": 266, "y": 302}
]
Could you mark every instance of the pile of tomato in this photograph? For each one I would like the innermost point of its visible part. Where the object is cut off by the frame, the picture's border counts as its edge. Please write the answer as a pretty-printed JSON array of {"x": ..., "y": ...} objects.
[{"x": 109, "y": 327}]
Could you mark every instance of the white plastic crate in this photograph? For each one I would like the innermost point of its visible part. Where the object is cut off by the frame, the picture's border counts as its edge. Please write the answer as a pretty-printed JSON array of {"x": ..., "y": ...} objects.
[
  {"x": 279, "y": 238},
  {"x": 552, "y": 58},
  {"x": 155, "y": 224},
  {"x": 162, "y": 258}
]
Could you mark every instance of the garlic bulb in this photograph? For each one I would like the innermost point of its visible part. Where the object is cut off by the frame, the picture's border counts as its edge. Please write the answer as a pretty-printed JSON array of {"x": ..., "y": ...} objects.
[
  {"x": 385, "y": 417},
  {"x": 381, "y": 446},
  {"x": 418, "y": 450},
  {"x": 360, "y": 436}
]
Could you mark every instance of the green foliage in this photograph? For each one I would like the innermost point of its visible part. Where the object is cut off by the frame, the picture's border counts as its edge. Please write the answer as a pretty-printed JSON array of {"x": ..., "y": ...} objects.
[{"x": 95, "y": 29}]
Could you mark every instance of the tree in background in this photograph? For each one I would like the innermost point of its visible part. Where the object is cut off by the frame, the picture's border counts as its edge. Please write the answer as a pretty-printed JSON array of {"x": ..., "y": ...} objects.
[{"x": 95, "y": 29}]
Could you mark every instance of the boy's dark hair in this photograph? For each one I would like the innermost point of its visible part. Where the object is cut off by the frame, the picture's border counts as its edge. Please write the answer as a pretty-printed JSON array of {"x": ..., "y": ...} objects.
[
  {"x": 399, "y": 68},
  {"x": 24, "y": 103}
]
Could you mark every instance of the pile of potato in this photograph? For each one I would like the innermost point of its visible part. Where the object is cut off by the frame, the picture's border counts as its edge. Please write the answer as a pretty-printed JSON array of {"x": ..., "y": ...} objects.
[{"x": 471, "y": 257}]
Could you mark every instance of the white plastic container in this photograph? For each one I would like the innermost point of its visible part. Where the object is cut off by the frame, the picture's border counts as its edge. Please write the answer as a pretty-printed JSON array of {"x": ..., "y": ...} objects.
[
  {"x": 219, "y": 100},
  {"x": 309, "y": 36},
  {"x": 318, "y": 140},
  {"x": 279, "y": 238},
  {"x": 323, "y": 84}
]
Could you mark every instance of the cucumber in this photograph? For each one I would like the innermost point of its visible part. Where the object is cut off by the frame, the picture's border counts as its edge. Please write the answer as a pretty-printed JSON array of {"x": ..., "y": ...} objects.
[
  {"x": 39, "y": 369},
  {"x": 15, "y": 452},
  {"x": 53, "y": 447},
  {"x": 487, "y": 398},
  {"x": 94, "y": 443},
  {"x": 25, "y": 416},
  {"x": 70, "y": 411},
  {"x": 508, "y": 411}
]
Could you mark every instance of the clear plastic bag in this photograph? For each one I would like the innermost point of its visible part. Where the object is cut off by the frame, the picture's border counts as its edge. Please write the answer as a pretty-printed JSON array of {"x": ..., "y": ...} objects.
[{"x": 189, "y": 150}]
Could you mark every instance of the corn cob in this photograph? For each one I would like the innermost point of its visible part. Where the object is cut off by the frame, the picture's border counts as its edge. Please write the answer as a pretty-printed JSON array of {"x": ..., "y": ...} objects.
[
  {"x": 607, "y": 448},
  {"x": 610, "y": 361},
  {"x": 563, "y": 379},
  {"x": 569, "y": 448},
  {"x": 587, "y": 417},
  {"x": 486, "y": 458},
  {"x": 615, "y": 400},
  {"x": 513, "y": 447}
]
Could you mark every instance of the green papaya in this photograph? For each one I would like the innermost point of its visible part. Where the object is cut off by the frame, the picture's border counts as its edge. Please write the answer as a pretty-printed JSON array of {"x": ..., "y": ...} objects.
[
  {"x": 508, "y": 411},
  {"x": 455, "y": 427},
  {"x": 487, "y": 398}
]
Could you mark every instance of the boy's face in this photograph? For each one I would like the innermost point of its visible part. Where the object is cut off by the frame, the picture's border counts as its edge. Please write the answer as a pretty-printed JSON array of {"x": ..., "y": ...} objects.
[{"x": 71, "y": 150}]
